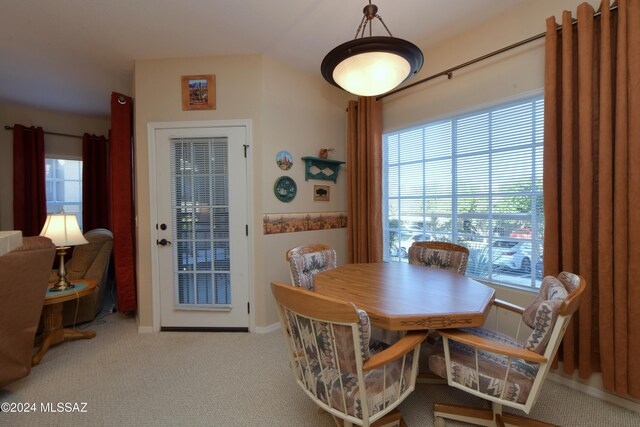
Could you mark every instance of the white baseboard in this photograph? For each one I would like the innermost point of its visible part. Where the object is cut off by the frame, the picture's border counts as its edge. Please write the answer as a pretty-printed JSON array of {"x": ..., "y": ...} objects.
[
  {"x": 267, "y": 329},
  {"x": 145, "y": 329},
  {"x": 594, "y": 391}
]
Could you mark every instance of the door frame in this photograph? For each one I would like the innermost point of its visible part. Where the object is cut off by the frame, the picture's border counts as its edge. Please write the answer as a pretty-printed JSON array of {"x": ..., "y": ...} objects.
[{"x": 152, "y": 127}]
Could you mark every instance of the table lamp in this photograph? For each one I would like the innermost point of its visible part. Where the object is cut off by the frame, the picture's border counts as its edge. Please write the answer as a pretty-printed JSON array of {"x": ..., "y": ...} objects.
[{"x": 64, "y": 232}]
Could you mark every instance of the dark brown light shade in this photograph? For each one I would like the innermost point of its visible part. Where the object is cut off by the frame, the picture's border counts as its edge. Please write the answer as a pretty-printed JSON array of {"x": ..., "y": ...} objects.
[{"x": 371, "y": 66}]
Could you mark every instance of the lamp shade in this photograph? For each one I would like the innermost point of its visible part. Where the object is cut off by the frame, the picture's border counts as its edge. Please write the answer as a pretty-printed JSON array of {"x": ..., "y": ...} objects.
[
  {"x": 63, "y": 230},
  {"x": 371, "y": 66}
]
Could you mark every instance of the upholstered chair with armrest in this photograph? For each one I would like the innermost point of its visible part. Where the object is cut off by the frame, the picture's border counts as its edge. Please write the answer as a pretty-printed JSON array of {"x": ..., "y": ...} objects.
[
  {"x": 500, "y": 367},
  {"x": 328, "y": 344},
  {"x": 24, "y": 274},
  {"x": 443, "y": 255},
  {"x": 89, "y": 262},
  {"x": 305, "y": 261}
]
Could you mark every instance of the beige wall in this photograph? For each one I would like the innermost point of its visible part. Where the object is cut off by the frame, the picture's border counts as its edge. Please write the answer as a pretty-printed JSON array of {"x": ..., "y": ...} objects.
[
  {"x": 55, "y": 146},
  {"x": 302, "y": 114},
  {"x": 289, "y": 110},
  {"x": 503, "y": 77}
]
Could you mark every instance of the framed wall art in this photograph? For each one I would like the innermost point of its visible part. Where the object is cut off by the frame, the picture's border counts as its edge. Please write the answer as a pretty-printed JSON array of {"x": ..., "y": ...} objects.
[
  {"x": 199, "y": 92},
  {"x": 321, "y": 193}
]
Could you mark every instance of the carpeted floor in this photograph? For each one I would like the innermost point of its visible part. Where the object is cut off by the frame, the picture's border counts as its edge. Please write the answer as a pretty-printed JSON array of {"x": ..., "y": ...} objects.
[{"x": 220, "y": 379}]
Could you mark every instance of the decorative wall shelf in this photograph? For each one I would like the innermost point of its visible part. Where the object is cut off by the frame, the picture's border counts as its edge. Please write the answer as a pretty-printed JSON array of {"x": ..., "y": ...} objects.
[{"x": 324, "y": 169}]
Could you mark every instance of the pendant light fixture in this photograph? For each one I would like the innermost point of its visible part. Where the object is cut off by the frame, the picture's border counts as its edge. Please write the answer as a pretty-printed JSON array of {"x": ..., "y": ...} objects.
[{"x": 372, "y": 65}]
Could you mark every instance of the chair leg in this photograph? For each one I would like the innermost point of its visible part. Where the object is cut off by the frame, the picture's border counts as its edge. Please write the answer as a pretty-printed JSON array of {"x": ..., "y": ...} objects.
[
  {"x": 392, "y": 419},
  {"x": 517, "y": 420},
  {"x": 483, "y": 417}
]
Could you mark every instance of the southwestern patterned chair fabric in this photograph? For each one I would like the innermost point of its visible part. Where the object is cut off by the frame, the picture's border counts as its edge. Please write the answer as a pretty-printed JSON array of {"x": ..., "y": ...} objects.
[
  {"x": 442, "y": 255},
  {"x": 303, "y": 267},
  {"x": 542, "y": 313},
  {"x": 328, "y": 369},
  {"x": 492, "y": 367},
  {"x": 328, "y": 357},
  {"x": 540, "y": 316}
]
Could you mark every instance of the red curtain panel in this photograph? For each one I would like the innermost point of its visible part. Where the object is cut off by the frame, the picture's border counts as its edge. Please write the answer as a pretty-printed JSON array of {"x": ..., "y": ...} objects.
[
  {"x": 29, "y": 191},
  {"x": 122, "y": 197},
  {"x": 96, "y": 211}
]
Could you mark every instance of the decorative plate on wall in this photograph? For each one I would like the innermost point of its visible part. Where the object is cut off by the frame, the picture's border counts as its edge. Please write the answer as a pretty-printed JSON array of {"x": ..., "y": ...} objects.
[
  {"x": 285, "y": 189},
  {"x": 284, "y": 159}
]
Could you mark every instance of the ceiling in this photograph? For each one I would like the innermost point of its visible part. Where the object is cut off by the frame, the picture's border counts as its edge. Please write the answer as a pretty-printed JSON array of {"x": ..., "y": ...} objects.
[{"x": 69, "y": 55}]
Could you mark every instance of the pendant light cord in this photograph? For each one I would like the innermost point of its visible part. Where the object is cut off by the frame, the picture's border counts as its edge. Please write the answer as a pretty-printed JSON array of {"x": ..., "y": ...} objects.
[{"x": 370, "y": 12}]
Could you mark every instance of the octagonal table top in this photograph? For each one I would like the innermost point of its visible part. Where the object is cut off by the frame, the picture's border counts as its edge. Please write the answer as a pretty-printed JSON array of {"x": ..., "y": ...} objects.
[{"x": 400, "y": 296}]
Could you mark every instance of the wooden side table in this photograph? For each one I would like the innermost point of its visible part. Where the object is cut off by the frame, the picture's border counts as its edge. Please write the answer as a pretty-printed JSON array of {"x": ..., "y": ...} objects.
[{"x": 54, "y": 333}]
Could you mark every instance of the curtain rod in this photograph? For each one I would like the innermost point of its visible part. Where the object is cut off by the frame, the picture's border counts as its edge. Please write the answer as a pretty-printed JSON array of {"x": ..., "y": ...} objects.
[
  {"x": 449, "y": 72},
  {"x": 7, "y": 127}
]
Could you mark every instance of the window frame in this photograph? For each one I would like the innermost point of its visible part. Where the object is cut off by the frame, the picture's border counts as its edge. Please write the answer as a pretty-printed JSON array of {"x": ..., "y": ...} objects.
[
  {"x": 56, "y": 180},
  {"x": 535, "y": 143}
]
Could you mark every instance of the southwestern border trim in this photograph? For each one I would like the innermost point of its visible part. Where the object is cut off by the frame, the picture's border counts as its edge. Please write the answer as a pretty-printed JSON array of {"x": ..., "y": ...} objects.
[{"x": 276, "y": 223}]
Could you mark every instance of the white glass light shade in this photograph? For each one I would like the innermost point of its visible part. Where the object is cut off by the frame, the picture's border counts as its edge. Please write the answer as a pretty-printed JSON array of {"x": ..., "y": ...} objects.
[
  {"x": 371, "y": 66},
  {"x": 371, "y": 73},
  {"x": 63, "y": 230}
]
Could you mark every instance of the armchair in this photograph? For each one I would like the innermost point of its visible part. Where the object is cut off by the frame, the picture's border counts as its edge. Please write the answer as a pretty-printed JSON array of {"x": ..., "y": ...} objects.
[
  {"x": 24, "y": 273},
  {"x": 328, "y": 343},
  {"x": 501, "y": 368},
  {"x": 89, "y": 262},
  {"x": 305, "y": 261}
]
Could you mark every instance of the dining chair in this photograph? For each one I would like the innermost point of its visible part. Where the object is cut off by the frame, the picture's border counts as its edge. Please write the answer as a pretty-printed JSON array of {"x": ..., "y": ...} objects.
[
  {"x": 499, "y": 366},
  {"x": 328, "y": 345},
  {"x": 305, "y": 261},
  {"x": 443, "y": 255}
]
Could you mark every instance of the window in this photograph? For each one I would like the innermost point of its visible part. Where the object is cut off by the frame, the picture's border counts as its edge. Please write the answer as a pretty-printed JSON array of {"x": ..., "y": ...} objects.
[
  {"x": 475, "y": 180},
  {"x": 63, "y": 179}
]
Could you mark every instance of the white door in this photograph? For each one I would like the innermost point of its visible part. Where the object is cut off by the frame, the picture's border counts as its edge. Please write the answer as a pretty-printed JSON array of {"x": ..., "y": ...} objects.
[{"x": 202, "y": 228}]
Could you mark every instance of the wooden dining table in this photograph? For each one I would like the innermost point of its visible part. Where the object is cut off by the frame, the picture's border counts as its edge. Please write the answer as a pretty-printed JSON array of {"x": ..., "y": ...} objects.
[{"x": 400, "y": 296}]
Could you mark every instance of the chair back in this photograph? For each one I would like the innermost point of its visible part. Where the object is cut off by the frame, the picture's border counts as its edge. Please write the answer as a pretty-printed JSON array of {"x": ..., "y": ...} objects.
[
  {"x": 328, "y": 344},
  {"x": 305, "y": 261},
  {"x": 442, "y": 255},
  {"x": 24, "y": 274}
]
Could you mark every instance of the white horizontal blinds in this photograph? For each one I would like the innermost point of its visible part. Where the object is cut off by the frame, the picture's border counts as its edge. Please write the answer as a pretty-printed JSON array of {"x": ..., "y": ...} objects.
[
  {"x": 474, "y": 179},
  {"x": 200, "y": 205}
]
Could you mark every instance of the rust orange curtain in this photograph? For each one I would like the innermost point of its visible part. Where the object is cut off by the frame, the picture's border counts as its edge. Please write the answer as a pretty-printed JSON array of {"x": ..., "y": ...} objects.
[
  {"x": 364, "y": 180},
  {"x": 592, "y": 185}
]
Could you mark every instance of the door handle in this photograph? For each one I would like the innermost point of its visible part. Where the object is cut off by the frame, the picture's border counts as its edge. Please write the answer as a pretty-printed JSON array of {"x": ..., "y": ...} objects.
[{"x": 163, "y": 242}]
